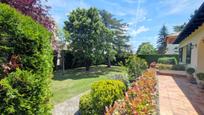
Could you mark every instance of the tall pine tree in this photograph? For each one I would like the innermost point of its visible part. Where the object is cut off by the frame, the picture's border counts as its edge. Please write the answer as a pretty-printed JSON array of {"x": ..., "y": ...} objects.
[{"x": 161, "y": 42}]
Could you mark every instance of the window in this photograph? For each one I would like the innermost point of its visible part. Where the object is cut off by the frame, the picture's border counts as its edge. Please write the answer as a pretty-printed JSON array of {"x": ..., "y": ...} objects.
[
  {"x": 188, "y": 53},
  {"x": 180, "y": 54}
]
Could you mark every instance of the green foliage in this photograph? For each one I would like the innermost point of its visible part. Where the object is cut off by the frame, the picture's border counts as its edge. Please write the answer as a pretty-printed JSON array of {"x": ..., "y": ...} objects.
[
  {"x": 179, "y": 28},
  {"x": 121, "y": 77},
  {"x": 179, "y": 67},
  {"x": 146, "y": 49},
  {"x": 200, "y": 76},
  {"x": 155, "y": 57},
  {"x": 164, "y": 66},
  {"x": 120, "y": 37},
  {"x": 190, "y": 70},
  {"x": 25, "y": 91},
  {"x": 167, "y": 60},
  {"x": 161, "y": 42},
  {"x": 86, "y": 105},
  {"x": 103, "y": 93},
  {"x": 139, "y": 99},
  {"x": 88, "y": 35},
  {"x": 135, "y": 66}
]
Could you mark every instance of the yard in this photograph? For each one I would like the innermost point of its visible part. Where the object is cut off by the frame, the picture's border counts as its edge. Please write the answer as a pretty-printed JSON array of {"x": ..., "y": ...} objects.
[{"x": 76, "y": 81}]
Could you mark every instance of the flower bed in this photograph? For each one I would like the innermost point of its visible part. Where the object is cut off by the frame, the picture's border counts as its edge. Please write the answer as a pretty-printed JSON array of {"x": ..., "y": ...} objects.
[{"x": 140, "y": 99}]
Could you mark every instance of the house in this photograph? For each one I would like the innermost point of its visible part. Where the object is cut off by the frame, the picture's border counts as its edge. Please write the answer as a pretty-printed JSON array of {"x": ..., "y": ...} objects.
[
  {"x": 191, "y": 42},
  {"x": 171, "y": 48}
]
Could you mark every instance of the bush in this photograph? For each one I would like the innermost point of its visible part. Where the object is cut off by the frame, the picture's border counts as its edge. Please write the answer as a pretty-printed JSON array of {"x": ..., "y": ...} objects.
[
  {"x": 164, "y": 66},
  {"x": 25, "y": 89},
  {"x": 121, "y": 77},
  {"x": 139, "y": 99},
  {"x": 86, "y": 105},
  {"x": 135, "y": 67},
  {"x": 167, "y": 60},
  {"x": 190, "y": 71},
  {"x": 179, "y": 67},
  {"x": 155, "y": 57},
  {"x": 103, "y": 93},
  {"x": 200, "y": 76}
]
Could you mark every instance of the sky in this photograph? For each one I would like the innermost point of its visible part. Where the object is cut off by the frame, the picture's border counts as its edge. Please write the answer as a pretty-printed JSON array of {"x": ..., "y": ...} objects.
[{"x": 145, "y": 17}]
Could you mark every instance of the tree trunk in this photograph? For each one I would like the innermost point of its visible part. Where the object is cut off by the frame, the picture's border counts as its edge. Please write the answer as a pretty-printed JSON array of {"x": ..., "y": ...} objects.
[
  {"x": 88, "y": 64},
  {"x": 109, "y": 63}
]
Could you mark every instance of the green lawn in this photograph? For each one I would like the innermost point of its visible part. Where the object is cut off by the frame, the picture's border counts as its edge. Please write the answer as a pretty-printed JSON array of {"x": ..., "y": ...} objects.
[{"x": 76, "y": 81}]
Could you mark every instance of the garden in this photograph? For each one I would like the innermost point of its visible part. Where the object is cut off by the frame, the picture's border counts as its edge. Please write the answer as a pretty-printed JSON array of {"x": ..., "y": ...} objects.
[
  {"x": 43, "y": 66},
  {"x": 27, "y": 85}
]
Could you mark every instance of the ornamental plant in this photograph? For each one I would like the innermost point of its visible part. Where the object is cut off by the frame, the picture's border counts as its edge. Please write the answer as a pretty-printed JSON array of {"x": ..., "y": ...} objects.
[
  {"x": 103, "y": 93},
  {"x": 26, "y": 64},
  {"x": 135, "y": 66},
  {"x": 190, "y": 71},
  {"x": 139, "y": 99}
]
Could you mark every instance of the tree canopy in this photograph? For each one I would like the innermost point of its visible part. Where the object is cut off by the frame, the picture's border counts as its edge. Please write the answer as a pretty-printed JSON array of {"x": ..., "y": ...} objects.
[
  {"x": 179, "y": 28},
  {"x": 34, "y": 9},
  {"x": 88, "y": 35},
  {"x": 161, "y": 42},
  {"x": 146, "y": 48},
  {"x": 120, "y": 37}
]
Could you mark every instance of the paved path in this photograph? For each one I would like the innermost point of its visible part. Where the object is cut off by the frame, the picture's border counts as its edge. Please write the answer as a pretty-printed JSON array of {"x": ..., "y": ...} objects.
[
  {"x": 179, "y": 97},
  {"x": 69, "y": 107}
]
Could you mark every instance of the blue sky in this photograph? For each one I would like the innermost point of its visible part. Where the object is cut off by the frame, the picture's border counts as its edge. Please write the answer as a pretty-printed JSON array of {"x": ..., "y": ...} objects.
[{"x": 145, "y": 17}]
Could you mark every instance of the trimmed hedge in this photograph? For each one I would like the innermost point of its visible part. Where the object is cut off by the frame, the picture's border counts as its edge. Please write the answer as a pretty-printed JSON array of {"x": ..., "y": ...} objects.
[
  {"x": 168, "y": 60},
  {"x": 25, "y": 90},
  {"x": 103, "y": 93},
  {"x": 155, "y": 57}
]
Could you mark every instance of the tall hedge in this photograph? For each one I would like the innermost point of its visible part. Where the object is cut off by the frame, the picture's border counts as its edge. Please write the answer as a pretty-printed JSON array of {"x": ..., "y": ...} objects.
[
  {"x": 155, "y": 57},
  {"x": 24, "y": 91}
]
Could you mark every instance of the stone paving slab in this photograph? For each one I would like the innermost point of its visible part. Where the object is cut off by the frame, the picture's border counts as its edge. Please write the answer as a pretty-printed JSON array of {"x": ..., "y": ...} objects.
[
  {"x": 179, "y": 97},
  {"x": 69, "y": 107}
]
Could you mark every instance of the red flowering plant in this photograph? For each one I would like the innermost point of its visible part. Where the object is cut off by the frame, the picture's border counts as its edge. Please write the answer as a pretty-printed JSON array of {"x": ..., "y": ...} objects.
[{"x": 139, "y": 99}]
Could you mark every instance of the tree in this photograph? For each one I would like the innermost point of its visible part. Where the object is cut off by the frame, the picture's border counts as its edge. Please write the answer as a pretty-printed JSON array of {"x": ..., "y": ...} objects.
[
  {"x": 161, "y": 43},
  {"x": 179, "y": 28},
  {"x": 110, "y": 51},
  {"x": 34, "y": 9},
  {"x": 119, "y": 29},
  {"x": 85, "y": 28},
  {"x": 146, "y": 48}
]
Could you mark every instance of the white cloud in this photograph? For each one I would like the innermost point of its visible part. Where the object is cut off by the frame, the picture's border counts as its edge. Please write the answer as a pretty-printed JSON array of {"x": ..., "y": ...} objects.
[
  {"x": 178, "y": 6},
  {"x": 139, "y": 16},
  {"x": 134, "y": 33}
]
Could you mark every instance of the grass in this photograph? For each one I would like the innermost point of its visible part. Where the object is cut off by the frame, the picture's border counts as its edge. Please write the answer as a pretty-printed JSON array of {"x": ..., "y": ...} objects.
[{"x": 76, "y": 81}]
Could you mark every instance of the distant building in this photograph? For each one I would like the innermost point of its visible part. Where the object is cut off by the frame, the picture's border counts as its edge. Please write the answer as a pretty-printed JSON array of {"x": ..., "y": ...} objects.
[
  {"x": 191, "y": 42},
  {"x": 172, "y": 48}
]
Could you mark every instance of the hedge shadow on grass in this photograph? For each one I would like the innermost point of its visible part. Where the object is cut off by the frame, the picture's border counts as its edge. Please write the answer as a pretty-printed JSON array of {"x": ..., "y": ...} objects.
[{"x": 81, "y": 73}]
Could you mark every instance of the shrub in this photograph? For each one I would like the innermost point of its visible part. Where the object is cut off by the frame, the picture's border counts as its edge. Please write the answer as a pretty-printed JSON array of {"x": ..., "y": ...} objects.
[
  {"x": 103, "y": 93},
  {"x": 121, "y": 77},
  {"x": 25, "y": 89},
  {"x": 139, "y": 99},
  {"x": 135, "y": 67},
  {"x": 179, "y": 67},
  {"x": 167, "y": 60},
  {"x": 86, "y": 105},
  {"x": 200, "y": 76},
  {"x": 190, "y": 71},
  {"x": 164, "y": 66},
  {"x": 155, "y": 57}
]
